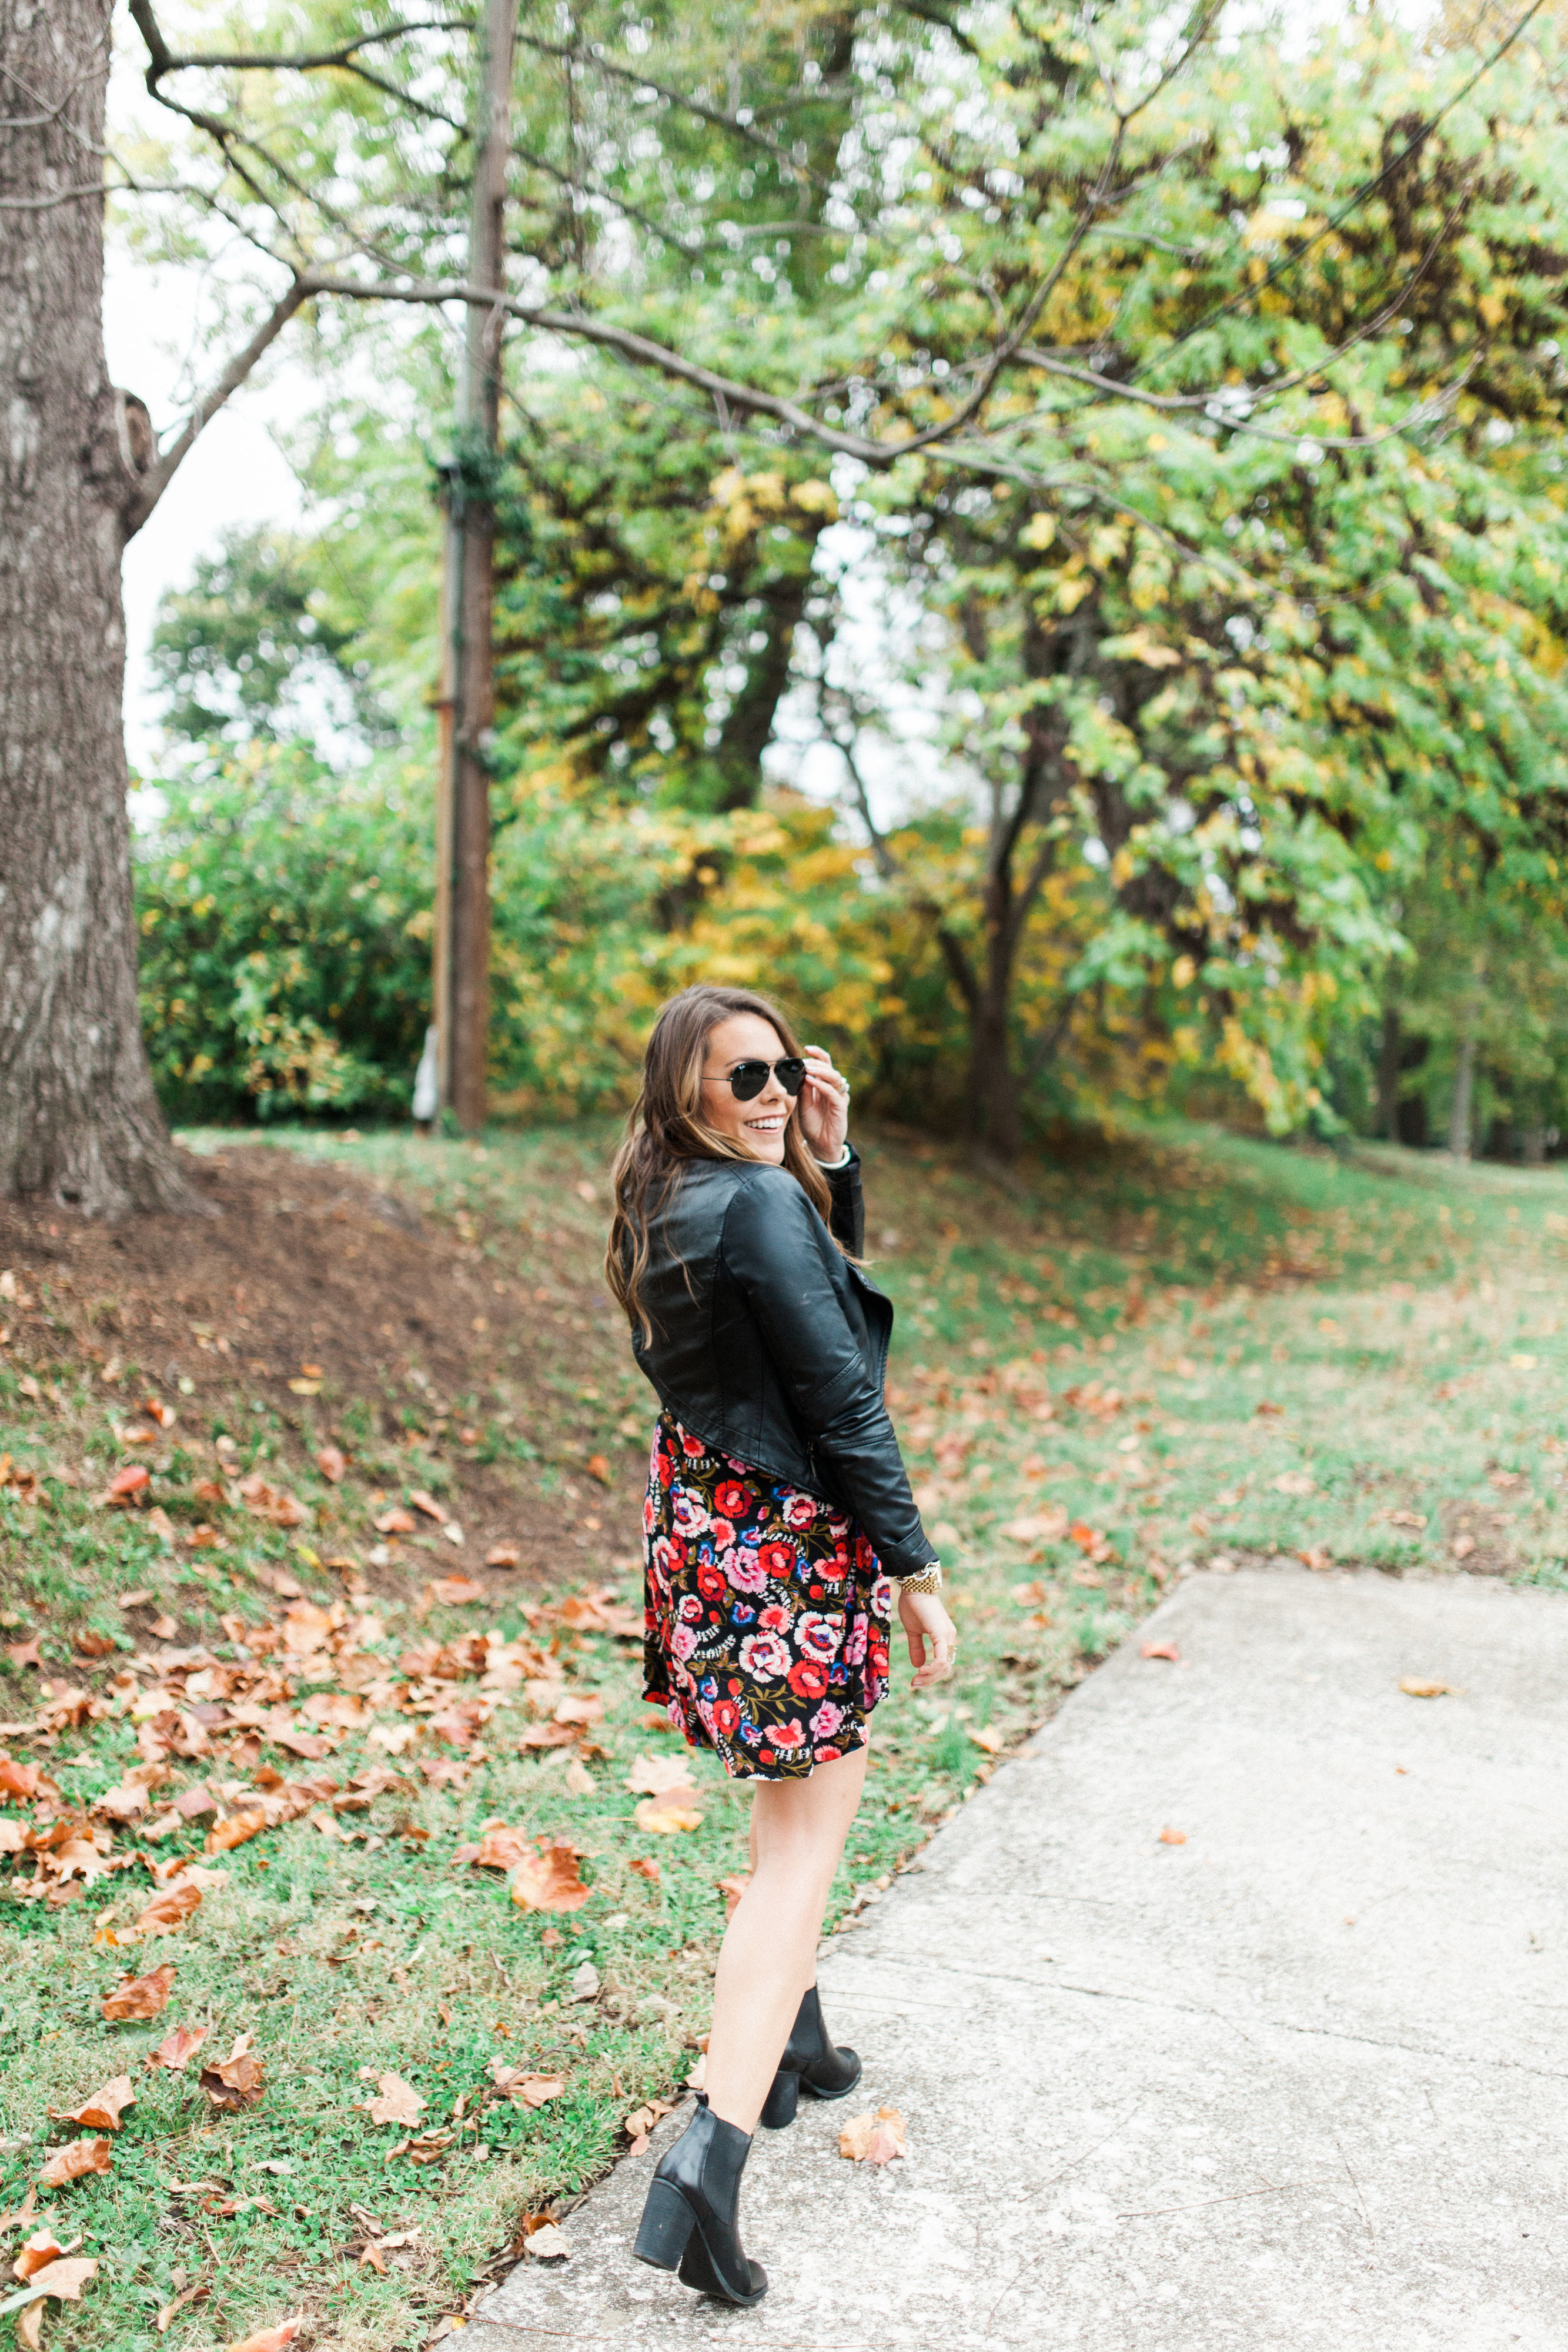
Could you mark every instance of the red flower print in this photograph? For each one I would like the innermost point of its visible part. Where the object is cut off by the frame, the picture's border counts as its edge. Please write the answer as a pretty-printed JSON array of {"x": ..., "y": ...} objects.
[
  {"x": 799, "y": 1510},
  {"x": 710, "y": 1582},
  {"x": 775, "y": 1619},
  {"x": 723, "y": 1534},
  {"x": 731, "y": 1497},
  {"x": 778, "y": 1560},
  {"x": 808, "y": 1678},
  {"x": 725, "y": 1718},
  {"x": 692, "y": 1447}
]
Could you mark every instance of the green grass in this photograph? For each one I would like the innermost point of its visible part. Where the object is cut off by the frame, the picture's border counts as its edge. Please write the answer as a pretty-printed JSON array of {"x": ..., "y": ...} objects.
[{"x": 1091, "y": 1346}]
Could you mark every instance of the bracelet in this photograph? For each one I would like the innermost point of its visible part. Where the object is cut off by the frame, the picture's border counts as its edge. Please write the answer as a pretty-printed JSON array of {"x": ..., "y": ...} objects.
[{"x": 929, "y": 1580}]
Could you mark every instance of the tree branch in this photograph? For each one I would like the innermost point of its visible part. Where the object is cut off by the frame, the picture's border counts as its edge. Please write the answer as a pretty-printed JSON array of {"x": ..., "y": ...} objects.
[{"x": 160, "y": 474}]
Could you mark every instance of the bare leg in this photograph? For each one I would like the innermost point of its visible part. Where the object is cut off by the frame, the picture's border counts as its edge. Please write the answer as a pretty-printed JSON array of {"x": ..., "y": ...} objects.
[{"x": 768, "y": 1958}]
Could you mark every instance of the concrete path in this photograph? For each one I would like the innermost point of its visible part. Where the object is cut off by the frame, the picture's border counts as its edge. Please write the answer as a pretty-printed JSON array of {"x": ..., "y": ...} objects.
[{"x": 1301, "y": 2081}]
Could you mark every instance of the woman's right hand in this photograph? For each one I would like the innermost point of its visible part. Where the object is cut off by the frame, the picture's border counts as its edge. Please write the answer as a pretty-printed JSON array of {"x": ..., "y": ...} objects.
[{"x": 926, "y": 1621}]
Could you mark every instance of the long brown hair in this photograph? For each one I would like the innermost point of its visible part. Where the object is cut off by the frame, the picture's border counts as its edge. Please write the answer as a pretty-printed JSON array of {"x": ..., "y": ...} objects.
[{"x": 666, "y": 1127}]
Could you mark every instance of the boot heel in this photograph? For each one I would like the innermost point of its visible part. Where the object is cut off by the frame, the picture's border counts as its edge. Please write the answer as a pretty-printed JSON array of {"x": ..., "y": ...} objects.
[
  {"x": 782, "y": 2103},
  {"x": 665, "y": 2226}
]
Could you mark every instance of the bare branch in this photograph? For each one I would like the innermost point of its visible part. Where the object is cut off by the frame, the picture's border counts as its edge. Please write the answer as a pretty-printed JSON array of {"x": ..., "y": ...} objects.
[
  {"x": 46, "y": 203},
  {"x": 160, "y": 474}
]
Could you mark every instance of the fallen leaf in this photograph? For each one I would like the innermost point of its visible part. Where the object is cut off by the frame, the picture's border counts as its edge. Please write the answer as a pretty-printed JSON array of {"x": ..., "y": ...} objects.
[
  {"x": 396, "y": 2102},
  {"x": 305, "y": 1388},
  {"x": 732, "y": 1889},
  {"x": 652, "y": 1775},
  {"x": 1040, "y": 1527},
  {"x": 428, "y": 2149},
  {"x": 645, "y": 1868},
  {"x": 396, "y": 1522},
  {"x": 501, "y": 1847},
  {"x": 72, "y": 2162},
  {"x": 579, "y": 1707},
  {"x": 1414, "y": 1688},
  {"x": 578, "y": 1779},
  {"x": 525, "y": 2090},
  {"x": 168, "y": 1912},
  {"x": 670, "y": 1812},
  {"x": 238, "y": 1830},
  {"x": 178, "y": 2047},
  {"x": 125, "y": 1486},
  {"x": 1295, "y": 1482},
  {"x": 64, "y": 2280},
  {"x": 548, "y": 1881},
  {"x": 22, "y": 1781},
  {"x": 596, "y": 1467},
  {"x": 429, "y": 1505},
  {"x": 140, "y": 1997},
  {"x": 271, "y": 2339},
  {"x": 271, "y": 1503},
  {"x": 41, "y": 2249},
  {"x": 1173, "y": 1837},
  {"x": 163, "y": 1627},
  {"x": 585, "y": 1982},
  {"x": 456, "y": 1591},
  {"x": 549, "y": 2244},
  {"x": 236, "y": 2079},
  {"x": 102, "y": 2111},
  {"x": 23, "y": 1654},
  {"x": 873, "y": 2139},
  {"x": 1162, "y": 1649},
  {"x": 306, "y": 1627},
  {"x": 1463, "y": 1545},
  {"x": 1406, "y": 1519},
  {"x": 201, "y": 2292},
  {"x": 331, "y": 1462},
  {"x": 988, "y": 1737},
  {"x": 503, "y": 1556}
]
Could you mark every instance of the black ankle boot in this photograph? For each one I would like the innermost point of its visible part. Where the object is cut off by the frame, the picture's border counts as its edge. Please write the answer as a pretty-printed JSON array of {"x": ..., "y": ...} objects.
[
  {"x": 811, "y": 2062},
  {"x": 690, "y": 2215}
]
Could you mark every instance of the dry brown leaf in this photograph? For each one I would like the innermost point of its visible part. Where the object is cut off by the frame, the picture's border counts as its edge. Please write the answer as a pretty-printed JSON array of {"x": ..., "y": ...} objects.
[
  {"x": 578, "y": 1779},
  {"x": 645, "y": 1868},
  {"x": 331, "y": 1463},
  {"x": 102, "y": 2111},
  {"x": 503, "y": 1556},
  {"x": 873, "y": 2139},
  {"x": 430, "y": 1506},
  {"x": 271, "y": 2339},
  {"x": 579, "y": 1707},
  {"x": 987, "y": 1737},
  {"x": 273, "y": 1504},
  {"x": 456, "y": 1591},
  {"x": 236, "y": 2079},
  {"x": 237, "y": 1830},
  {"x": 548, "y": 1881},
  {"x": 1162, "y": 1649},
  {"x": 179, "y": 2047},
  {"x": 23, "y": 1781},
  {"x": 1414, "y": 1686},
  {"x": 667, "y": 1815},
  {"x": 1173, "y": 1837},
  {"x": 71, "y": 2162},
  {"x": 140, "y": 1997},
  {"x": 40, "y": 2250},
  {"x": 1048, "y": 1526},
  {"x": 396, "y": 1522},
  {"x": 64, "y": 2280},
  {"x": 167, "y": 1912},
  {"x": 30, "y": 2324},
  {"x": 396, "y": 2102},
  {"x": 501, "y": 1847},
  {"x": 650, "y": 1776},
  {"x": 201, "y": 2292},
  {"x": 548, "y": 2244},
  {"x": 306, "y": 1627},
  {"x": 525, "y": 2090}
]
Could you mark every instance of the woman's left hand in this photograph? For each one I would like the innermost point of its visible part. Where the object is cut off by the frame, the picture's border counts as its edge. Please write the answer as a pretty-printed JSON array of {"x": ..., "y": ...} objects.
[
  {"x": 824, "y": 1111},
  {"x": 925, "y": 1620}
]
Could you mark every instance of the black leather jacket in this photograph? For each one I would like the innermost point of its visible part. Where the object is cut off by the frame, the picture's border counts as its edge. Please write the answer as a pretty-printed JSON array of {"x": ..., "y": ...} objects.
[{"x": 771, "y": 1347}]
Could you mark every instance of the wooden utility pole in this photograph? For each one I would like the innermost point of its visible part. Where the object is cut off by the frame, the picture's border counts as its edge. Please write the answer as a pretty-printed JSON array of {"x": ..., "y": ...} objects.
[{"x": 467, "y": 700}]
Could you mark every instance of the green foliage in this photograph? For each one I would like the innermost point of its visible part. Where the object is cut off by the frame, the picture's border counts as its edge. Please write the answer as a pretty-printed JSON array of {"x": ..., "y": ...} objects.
[{"x": 285, "y": 922}]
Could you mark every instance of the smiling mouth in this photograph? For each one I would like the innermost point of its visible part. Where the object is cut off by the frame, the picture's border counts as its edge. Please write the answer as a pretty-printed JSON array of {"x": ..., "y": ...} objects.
[{"x": 770, "y": 1124}]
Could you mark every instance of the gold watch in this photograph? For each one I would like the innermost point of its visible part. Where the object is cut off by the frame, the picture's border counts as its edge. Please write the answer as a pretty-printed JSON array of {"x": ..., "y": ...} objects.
[{"x": 929, "y": 1580}]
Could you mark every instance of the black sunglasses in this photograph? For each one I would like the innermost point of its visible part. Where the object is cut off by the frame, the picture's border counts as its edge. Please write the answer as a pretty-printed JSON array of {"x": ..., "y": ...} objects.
[{"x": 747, "y": 1079}]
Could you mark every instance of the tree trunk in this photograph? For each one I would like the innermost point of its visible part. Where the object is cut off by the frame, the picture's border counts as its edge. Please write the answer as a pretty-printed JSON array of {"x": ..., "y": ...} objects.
[
  {"x": 1388, "y": 1075},
  {"x": 79, "y": 1118},
  {"x": 1460, "y": 1112}
]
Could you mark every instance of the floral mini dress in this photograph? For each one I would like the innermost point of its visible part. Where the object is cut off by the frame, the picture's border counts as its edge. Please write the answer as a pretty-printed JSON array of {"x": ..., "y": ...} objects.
[{"x": 766, "y": 1613}]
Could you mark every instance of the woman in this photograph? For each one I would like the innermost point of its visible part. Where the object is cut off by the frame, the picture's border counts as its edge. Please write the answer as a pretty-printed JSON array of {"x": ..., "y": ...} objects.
[{"x": 778, "y": 1511}]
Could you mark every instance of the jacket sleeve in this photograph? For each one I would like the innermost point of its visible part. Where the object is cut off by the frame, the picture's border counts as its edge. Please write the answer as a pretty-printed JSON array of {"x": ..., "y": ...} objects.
[
  {"x": 846, "y": 1216},
  {"x": 779, "y": 1252}
]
